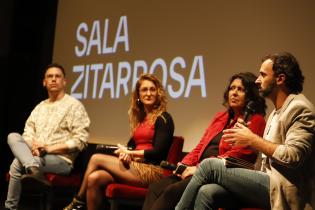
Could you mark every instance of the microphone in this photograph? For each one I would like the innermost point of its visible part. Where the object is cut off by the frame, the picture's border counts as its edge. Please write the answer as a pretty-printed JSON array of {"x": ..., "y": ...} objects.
[
  {"x": 167, "y": 165},
  {"x": 108, "y": 149},
  {"x": 249, "y": 110}
]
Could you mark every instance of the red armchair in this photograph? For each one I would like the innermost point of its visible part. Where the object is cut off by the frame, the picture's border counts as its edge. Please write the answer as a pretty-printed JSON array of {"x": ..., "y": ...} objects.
[{"x": 122, "y": 194}]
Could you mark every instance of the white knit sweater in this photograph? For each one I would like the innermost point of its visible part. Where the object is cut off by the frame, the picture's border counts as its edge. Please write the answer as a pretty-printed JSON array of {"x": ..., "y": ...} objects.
[{"x": 61, "y": 122}]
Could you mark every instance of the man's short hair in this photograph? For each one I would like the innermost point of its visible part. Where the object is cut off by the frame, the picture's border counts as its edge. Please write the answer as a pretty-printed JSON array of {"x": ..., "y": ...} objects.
[
  {"x": 285, "y": 63},
  {"x": 55, "y": 65}
]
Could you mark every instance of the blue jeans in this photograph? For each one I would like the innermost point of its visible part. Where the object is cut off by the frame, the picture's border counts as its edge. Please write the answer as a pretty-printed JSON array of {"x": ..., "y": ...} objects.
[
  {"x": 24, "y": 159},
  {"x": 213, "y": 186}
]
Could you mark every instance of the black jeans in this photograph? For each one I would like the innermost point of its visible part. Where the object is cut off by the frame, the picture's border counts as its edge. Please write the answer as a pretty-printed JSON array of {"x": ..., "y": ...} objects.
[{"x": 165, "y": 193}]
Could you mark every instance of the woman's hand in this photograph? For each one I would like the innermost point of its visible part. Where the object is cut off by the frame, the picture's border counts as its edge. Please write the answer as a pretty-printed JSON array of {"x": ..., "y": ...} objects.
[
  {"x": 123, "y": 154},
  {"x": 189, "y": 171},
  {"x": 124, "y": 157},
  {"x": 121, "y": 149}
]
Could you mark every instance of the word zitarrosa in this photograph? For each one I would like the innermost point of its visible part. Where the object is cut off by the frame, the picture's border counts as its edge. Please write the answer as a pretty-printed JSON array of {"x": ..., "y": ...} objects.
[{"x": 115, "y": 79}]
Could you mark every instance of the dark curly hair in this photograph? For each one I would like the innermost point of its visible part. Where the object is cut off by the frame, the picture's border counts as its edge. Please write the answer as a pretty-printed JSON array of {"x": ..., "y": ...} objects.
[
  {"x": 251, "y": 92},
  {"x": 285, "y": 63}
]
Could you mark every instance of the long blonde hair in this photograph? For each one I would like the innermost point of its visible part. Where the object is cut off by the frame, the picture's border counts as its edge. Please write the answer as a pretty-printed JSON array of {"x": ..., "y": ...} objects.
[{"x": 136, "y": 110}]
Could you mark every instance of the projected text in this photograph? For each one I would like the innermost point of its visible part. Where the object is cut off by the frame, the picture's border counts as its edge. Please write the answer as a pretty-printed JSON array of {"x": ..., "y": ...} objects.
[{"x": 116, "y": 79}]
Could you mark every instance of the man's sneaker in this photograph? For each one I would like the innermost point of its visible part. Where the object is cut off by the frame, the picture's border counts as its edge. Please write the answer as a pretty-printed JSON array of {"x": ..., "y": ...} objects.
[
  {"x": 76, "y": 204},
  {"x": 34, "y": 178},
  {"x": 32, "y": 170}
]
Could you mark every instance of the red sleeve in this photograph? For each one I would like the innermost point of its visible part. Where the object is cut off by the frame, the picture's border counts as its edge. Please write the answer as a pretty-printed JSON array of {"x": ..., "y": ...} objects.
[{"x": 191, "y": 158}]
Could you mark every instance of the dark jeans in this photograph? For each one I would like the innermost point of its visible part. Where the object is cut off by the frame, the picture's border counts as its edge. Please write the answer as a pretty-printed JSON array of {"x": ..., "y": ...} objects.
[{"x": 165, "y": 193}]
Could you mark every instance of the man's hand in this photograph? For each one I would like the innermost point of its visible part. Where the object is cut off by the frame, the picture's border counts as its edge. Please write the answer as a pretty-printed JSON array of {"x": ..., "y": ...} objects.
[
  {"x": 239, "y": 134},
  {"x": 35, "y": 152},
  {"x": 42, "y": 151},
  {"x": 36, "y": 148},
  {"x": 39, "y": 151},
  {"x": 241, "y": 121}
]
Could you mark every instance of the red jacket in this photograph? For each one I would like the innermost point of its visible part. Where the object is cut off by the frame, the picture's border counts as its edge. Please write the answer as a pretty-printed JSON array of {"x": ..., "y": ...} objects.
[{"x": 257, "y": 125}]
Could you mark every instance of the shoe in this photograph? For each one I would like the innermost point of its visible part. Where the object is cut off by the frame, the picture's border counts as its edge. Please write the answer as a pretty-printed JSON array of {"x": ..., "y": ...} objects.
[
  {"x": 32, "y": 170},
  {"x": 34, "y": 179},
  {"x": 76, "y": 205}
]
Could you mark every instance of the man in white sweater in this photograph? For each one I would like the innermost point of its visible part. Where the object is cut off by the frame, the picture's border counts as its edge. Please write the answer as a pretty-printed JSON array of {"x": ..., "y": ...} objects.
[{"x": 55, "y": 132}]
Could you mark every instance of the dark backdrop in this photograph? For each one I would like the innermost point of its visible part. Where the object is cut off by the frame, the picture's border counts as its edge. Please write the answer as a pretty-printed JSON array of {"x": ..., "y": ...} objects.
[{"x": 26, "y": 46}]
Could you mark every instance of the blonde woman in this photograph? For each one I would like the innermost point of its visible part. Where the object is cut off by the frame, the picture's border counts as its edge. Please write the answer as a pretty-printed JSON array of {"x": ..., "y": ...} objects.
[{"x": 151, "y": 135}]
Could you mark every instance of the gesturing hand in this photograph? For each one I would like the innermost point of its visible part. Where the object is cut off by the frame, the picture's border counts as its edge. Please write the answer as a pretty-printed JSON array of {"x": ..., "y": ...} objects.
[{"x": 238, "y": 135}]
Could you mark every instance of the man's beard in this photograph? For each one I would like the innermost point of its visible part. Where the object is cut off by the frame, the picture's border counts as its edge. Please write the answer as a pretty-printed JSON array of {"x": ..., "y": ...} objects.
[{"x": 266, "y": 92}]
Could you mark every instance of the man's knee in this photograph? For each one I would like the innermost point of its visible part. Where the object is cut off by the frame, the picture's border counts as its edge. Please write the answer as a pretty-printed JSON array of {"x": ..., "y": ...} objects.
[
  {"x": 211, "y": 164},
  {"x": 213, "y": 195},
  {"x": 13, "y": 137},
  {"x": 207, "y": 196},
  {"x": 205, "y": 192}
]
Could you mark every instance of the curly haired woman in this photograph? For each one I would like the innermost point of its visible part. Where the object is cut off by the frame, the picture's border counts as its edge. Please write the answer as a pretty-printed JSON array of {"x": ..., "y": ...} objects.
[{"x": 151, "y": 135}]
